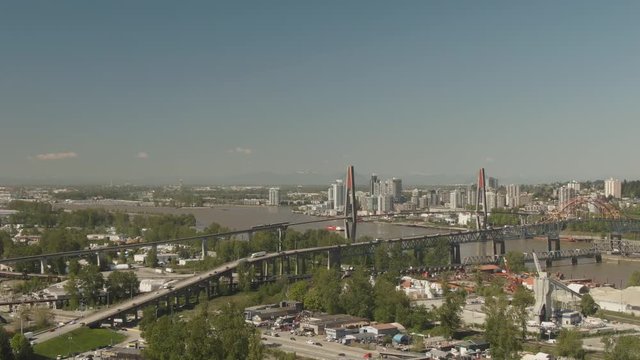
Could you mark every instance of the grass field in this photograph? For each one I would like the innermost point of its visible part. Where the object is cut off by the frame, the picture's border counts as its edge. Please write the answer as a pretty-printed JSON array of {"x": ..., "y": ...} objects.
[{"x": 77, "y": 341}]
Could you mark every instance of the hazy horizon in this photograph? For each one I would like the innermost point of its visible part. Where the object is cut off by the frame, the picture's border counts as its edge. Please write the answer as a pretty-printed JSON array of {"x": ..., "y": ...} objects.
[{"x": 94, "y": 92}]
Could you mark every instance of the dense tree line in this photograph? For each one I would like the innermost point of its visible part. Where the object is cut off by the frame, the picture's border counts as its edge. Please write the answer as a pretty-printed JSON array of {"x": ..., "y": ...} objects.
[
  {"x": 631, "y": 188},
  {"x": 207, "y": 335},
  {"x": 378, "y": 300}
]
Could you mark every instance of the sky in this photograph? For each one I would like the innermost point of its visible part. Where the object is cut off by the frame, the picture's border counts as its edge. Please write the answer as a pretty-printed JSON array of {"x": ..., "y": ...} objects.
[{"x": 152, "y": 91}]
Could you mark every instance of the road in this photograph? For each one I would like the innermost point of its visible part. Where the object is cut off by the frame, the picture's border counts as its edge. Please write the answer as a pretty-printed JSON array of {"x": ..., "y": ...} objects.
[{"x": 327, "y": 350}]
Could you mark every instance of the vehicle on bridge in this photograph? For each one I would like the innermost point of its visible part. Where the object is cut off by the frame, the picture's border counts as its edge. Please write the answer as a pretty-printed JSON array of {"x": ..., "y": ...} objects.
[{"x": 258, "y": 254}]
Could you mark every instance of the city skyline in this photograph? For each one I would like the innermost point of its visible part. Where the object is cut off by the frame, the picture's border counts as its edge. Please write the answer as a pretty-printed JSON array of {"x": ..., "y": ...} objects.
[{"x": 152, "y": 92}]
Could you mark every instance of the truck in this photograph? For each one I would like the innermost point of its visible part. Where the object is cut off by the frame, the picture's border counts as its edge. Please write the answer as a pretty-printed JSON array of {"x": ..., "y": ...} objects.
[
  {"x": 28, "y": 335},
  {"x": 258, "y": 254}
]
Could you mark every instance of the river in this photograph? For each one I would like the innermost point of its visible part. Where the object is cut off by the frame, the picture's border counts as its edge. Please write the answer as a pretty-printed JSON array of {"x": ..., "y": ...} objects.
[{"x": 242, "y": 217}]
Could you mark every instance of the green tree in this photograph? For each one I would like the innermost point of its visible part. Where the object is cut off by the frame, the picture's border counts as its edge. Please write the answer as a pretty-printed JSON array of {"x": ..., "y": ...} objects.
[
  {"x": 238, "y": 339},
  {"x": 449, "y": 312},
  {"x": 74, "y": 267},
  {"x": 625, "y": 347},
  {"x": 515, "y": 261},
  {"x": 501, "y": 328},
  {"x": 151, "y": 260},
  {"x": 634, "y": 279},
  {"x": 5, "y": 347},
  {"x": 71, "y": 288},
  {"x": 165, "y": 339},
  {"x": 122, "y": 285},
  {"x": 387, "y": 300},
  {"x": 358, "y": 299},
  {"x": 246, "y": 276},
  {"x": 328, "y": 286},
  {"x": 43, "y": 317},
  {"x": 588, "y": 306},
  {"x": 91, "y": 283},
  {"x": 313, "y": 300},
  {"x": 522, "y": 299},
  {"x": 149, "y": 317},
  {"x": 298, "y": 290},
  {"x": 570, "y": 344},
  {"x": 21, "y": 347}
]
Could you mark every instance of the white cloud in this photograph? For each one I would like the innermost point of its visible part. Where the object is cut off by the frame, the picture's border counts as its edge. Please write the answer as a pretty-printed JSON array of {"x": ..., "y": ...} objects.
[
  {"x": 240, "y": 150},
  {"x": 57, "y": 156},
  {"x": 142, "y": 155}
]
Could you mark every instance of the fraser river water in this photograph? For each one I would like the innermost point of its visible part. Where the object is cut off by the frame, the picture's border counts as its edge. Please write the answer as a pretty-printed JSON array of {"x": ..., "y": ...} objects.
[{"x": 242, "y": 217}]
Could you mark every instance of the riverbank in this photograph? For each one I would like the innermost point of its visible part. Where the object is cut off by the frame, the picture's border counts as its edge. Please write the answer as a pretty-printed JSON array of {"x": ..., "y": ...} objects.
[
  {"x": 619, "y": 259},
  {"x": 424, "y": 226}
]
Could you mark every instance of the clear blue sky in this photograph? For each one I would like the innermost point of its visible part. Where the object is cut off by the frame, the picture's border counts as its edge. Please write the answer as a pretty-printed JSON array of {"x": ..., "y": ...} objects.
[{"x": 198, "y": 90}]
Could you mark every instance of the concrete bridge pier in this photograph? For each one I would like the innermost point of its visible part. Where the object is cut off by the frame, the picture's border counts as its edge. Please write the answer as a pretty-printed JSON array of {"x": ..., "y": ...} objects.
[
  {"x": 499, "y": 247},
  {"x": 204, "y": 248},
  {"x": 274, "y": 266},
  {"x": 548, "y": 262},
  {"x": 574, "y": 260},
  {"x": 281, "y": 231},
  {"x": 43, "y": 265},
  {"x": 98, "y": 259},
  {"x": 455, "y": 256},
  {"x": 598, "y": 258},
  {"x": 553, "y": 242},
  {"x": 265, "y": 270}
]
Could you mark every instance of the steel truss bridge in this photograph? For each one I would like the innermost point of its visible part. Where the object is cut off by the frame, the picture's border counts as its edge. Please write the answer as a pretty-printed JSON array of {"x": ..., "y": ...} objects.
[
  {"x": 547, "y": 256},
  {"x": 496, "y": 236},
  {"x": 295, "y": 264}
]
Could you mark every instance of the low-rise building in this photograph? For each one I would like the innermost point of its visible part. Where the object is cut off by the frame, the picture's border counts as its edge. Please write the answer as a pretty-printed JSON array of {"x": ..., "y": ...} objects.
[
  {"x": 260, "y": 313},
  {"x": 380, "y": 329},
  {"x": 317, "y": 323},
  {"x": 571, "y": 318}
]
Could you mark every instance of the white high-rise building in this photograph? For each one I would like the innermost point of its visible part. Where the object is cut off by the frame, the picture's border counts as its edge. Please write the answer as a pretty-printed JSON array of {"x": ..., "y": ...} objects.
[
  {"x": 491, "y": 200},
  {"x": 385, "y": 204},
  {"x": 454, "y": 199},
  {"x": 274, "y": 197},
  {"x": 613, "y": 187},
  {"x": 565, "y": 194},
  {"x": 574, "y": 185},
  {"x": 338, "y": 195},
  {"x": 513, "y": 196}
]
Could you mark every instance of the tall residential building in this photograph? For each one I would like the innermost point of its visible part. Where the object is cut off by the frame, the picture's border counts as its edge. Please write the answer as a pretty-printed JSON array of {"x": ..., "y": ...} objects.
[
  {"x": 493, "y": 183},
  {"x": 565, "y": 194},
  {"x": 491, "y": 200},
  {"x": 501, "y": 200},
  {"x": 513, "y": 196},
  {"x": 471, "y": 197},
  {"x": 434, "y": 199},
  {"x": 330, "y": 198},
  {"x": 338, "y": 195},
  {"x": 385, "y": 203},
  {"x": 415, "y": 196},
  {"x": 613, "y": 187},
  {"x": 372, "y": 184},
  {"x": 274, "y": 197},
  {"x": 396, "y": 189},
  {"x": 423, "y": 203},
  {"x": 455, "y": 199},
  {"x": 574, "y": 185}
]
